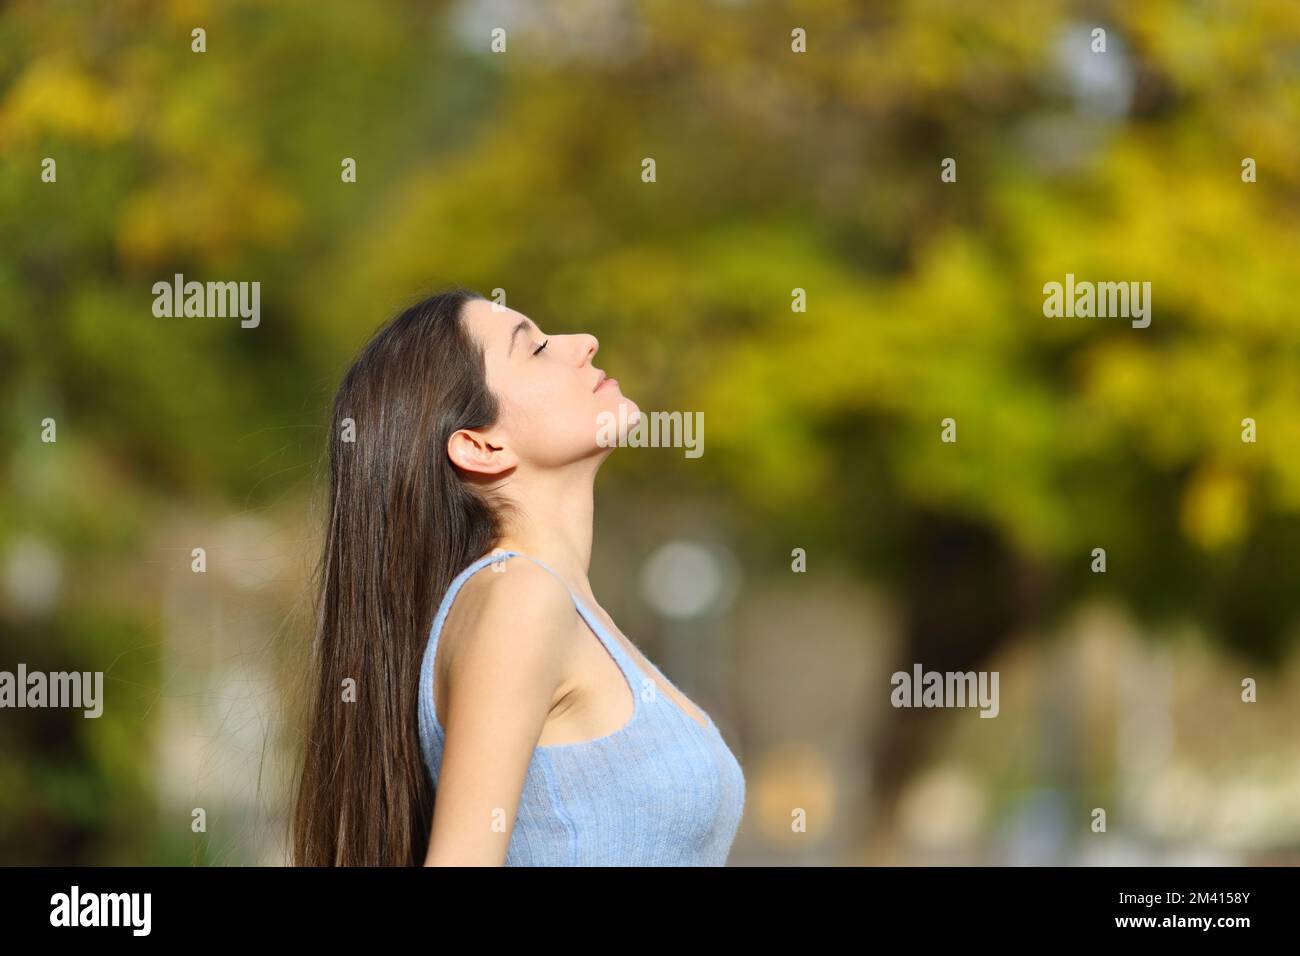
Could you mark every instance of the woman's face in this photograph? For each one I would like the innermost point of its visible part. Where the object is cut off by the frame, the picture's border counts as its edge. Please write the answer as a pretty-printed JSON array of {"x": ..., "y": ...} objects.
[{"x": 556, "y": 406}]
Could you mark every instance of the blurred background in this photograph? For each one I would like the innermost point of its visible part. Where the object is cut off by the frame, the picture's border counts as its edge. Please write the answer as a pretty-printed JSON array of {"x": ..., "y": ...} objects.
[{"x": 775, "y": 171}]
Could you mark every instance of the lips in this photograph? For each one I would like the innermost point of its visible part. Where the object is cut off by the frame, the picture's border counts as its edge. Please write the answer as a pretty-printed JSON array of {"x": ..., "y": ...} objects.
[{"x": 600, "y": 381}]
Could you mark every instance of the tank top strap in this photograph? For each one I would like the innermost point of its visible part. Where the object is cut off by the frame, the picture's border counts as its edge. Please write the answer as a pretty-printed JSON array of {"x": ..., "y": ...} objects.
[{"x": 452, "y": 590}]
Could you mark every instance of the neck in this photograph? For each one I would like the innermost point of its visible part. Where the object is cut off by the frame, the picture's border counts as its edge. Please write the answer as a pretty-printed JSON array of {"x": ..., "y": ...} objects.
[{"x": 553, "y": 520}]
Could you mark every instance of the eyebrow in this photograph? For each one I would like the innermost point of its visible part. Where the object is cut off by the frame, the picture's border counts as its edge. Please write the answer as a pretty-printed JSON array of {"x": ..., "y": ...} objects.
[{"x": 514, "y": 334}]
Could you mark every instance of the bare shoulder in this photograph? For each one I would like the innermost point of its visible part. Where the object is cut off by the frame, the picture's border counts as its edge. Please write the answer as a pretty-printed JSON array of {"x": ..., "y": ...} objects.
[{"x": 514, "y": 611}]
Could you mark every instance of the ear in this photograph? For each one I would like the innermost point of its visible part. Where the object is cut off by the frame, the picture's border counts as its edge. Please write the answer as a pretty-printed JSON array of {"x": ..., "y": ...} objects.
[{"x": 475, "y": 451}]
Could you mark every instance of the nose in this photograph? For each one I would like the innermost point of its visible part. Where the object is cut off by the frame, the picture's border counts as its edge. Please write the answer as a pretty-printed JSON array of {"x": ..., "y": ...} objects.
[{"x": 588, "y": 346}]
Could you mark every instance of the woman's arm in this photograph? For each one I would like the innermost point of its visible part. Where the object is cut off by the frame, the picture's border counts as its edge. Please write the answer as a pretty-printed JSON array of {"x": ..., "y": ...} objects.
[{"x": 502, "y": 675}]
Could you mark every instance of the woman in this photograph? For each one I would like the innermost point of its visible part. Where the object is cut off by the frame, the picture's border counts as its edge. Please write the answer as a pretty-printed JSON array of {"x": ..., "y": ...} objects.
[{"x": 465, "y": 439}]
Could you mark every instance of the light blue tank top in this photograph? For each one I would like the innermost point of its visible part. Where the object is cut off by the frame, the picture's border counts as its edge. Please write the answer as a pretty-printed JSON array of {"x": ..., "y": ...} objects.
[{"x": 661, "y": 791}]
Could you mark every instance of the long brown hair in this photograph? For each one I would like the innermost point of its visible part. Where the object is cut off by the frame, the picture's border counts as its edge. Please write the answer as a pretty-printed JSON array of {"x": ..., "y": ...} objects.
[{"x": 402, "y": 522}]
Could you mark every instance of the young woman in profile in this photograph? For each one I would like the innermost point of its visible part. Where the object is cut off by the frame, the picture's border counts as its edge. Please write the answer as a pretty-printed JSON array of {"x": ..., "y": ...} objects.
[{"x": 459, "y": 650}]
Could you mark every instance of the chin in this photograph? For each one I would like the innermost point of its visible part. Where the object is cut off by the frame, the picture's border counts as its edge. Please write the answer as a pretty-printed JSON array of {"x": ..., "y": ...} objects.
[{"x": 616, "y": 420}]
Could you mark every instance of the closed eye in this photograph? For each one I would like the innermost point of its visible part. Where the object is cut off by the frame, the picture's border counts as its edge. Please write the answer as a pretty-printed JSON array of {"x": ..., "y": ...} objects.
[{"x": 540, "y": 347}]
